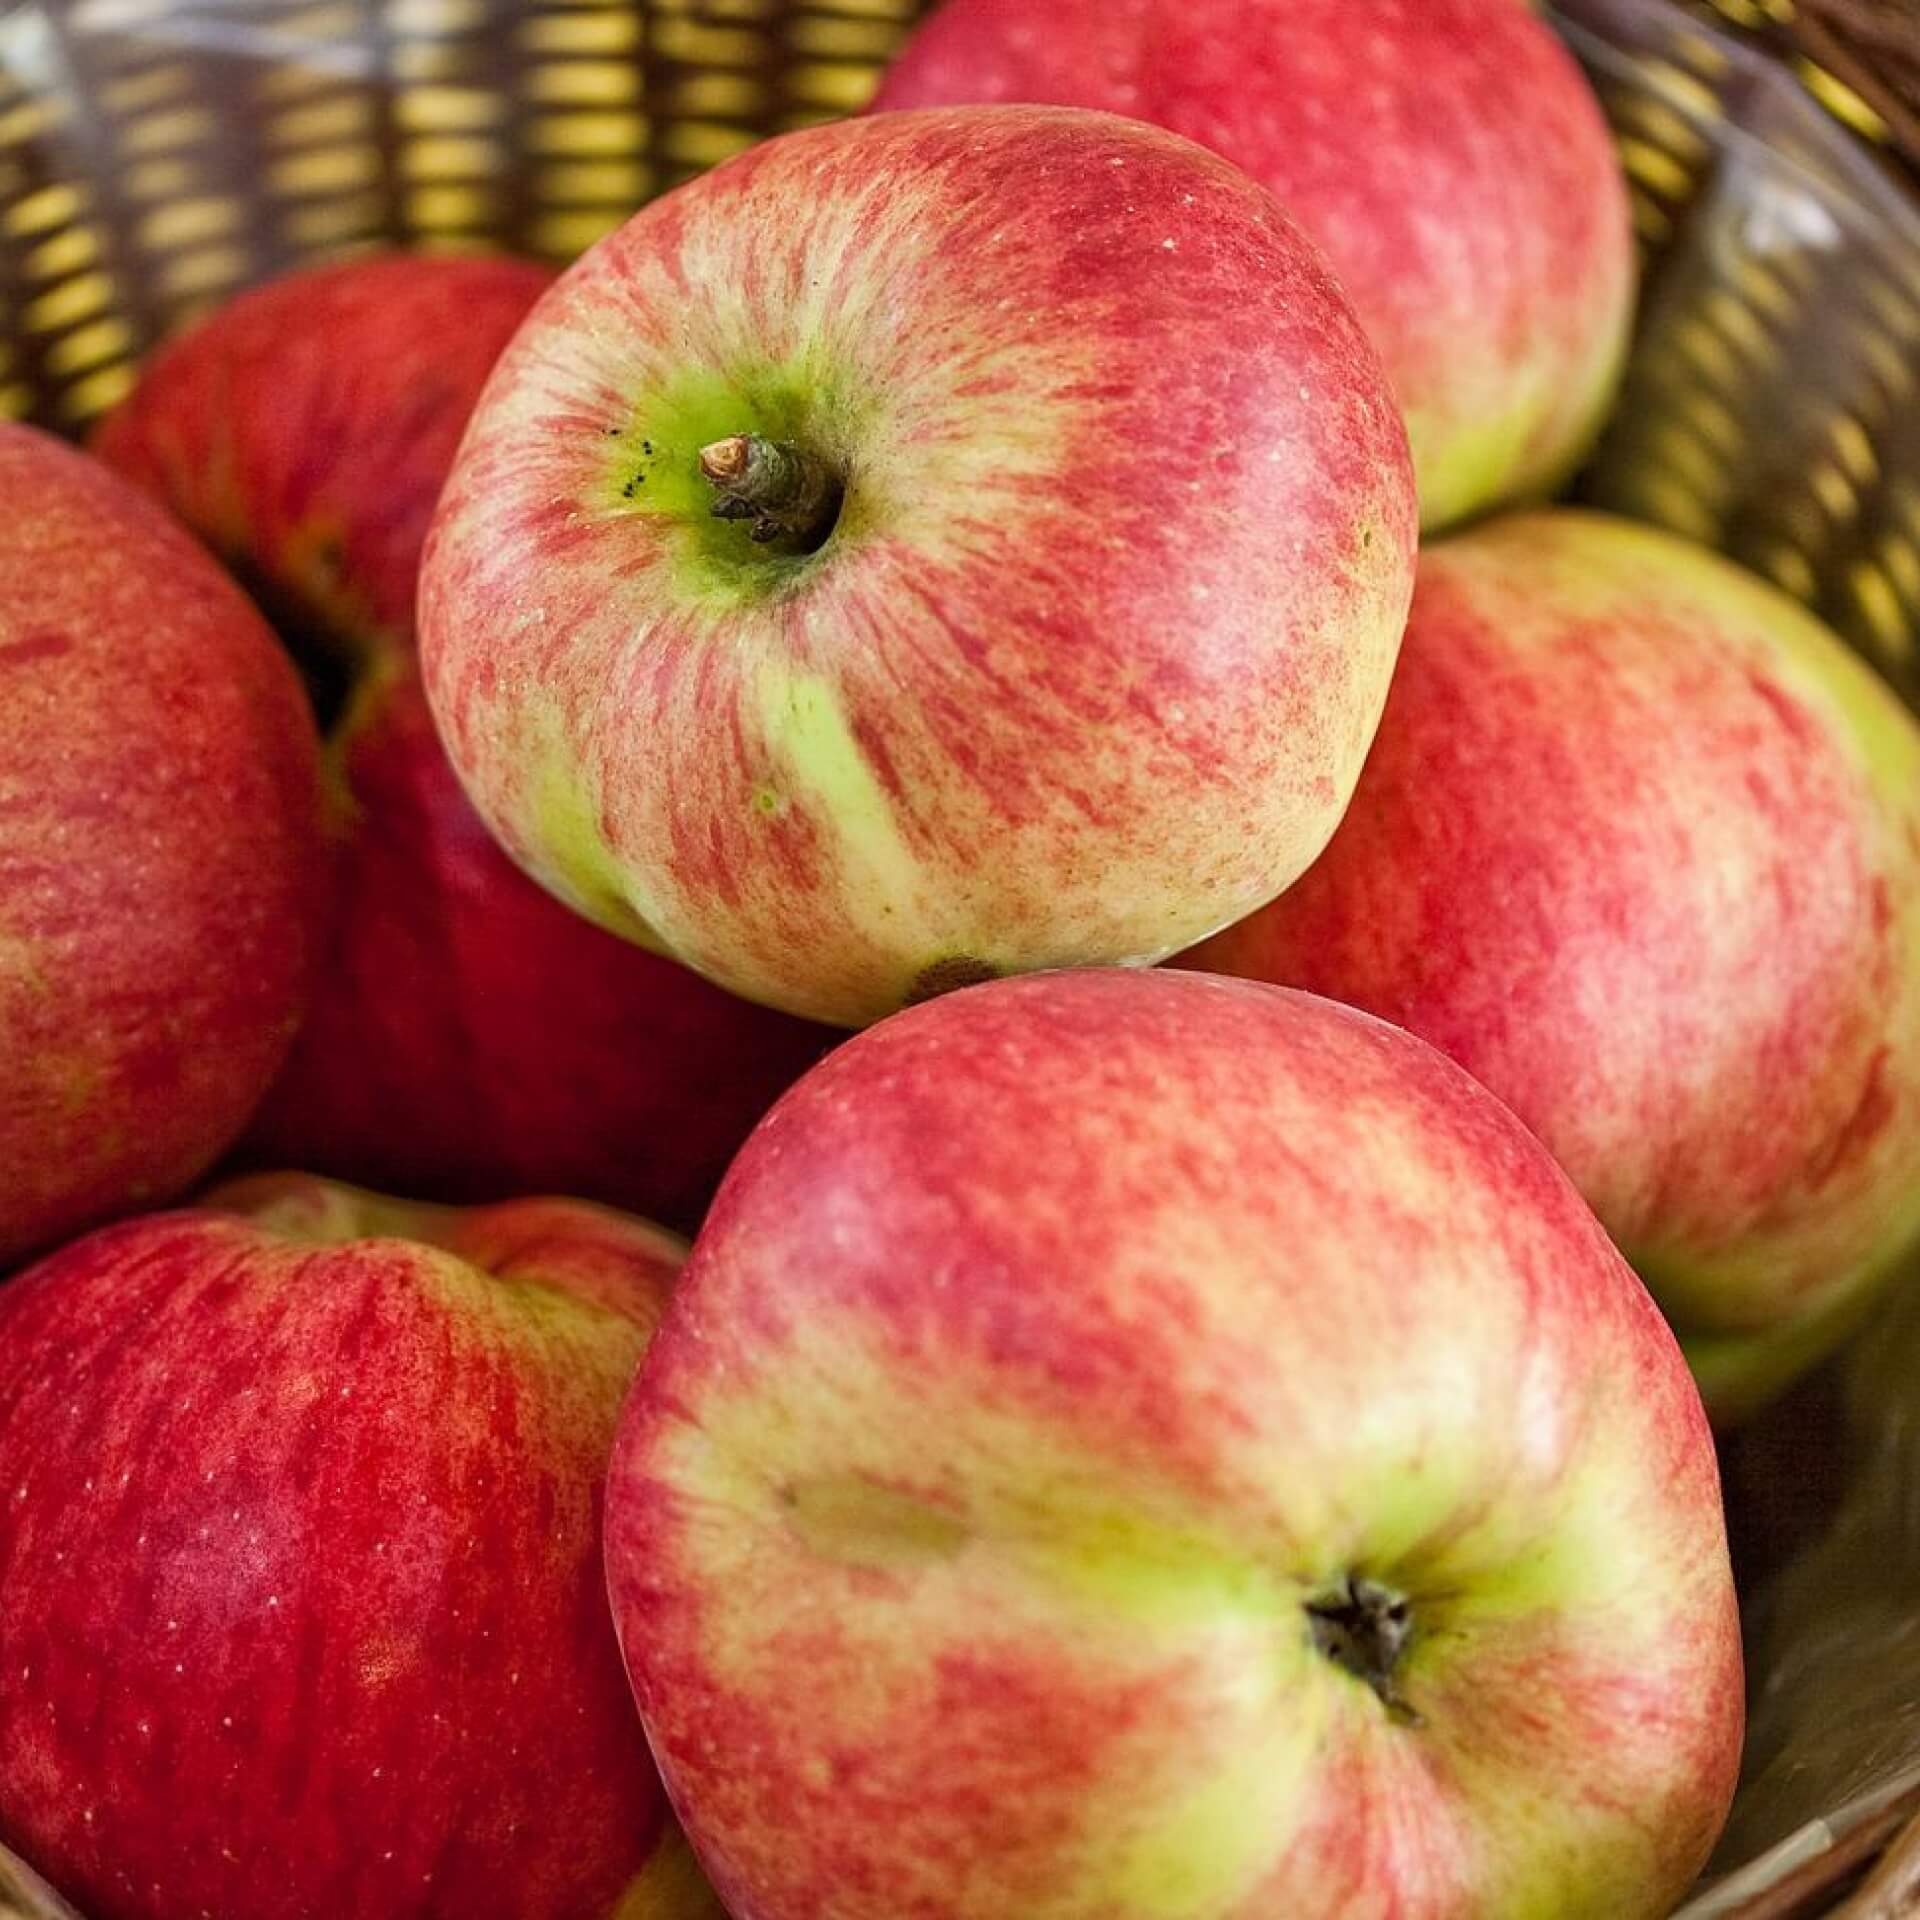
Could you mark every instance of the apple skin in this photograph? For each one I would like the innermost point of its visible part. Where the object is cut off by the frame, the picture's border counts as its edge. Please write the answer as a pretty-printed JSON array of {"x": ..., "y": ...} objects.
[
  {"x": 1639, "y": 846},
  {"x": 1447, "y": 154},
  {"x": 304, "y": 428},
  {"x": 162, "y": 874},
  {"x": 474, "y": 1036},
  {"x": 470, "y": 1036},
  {"x": 1046, "y": 1350},
  {"x": 1097, "y": 643},
  {"x": 301, "y": 1603}
]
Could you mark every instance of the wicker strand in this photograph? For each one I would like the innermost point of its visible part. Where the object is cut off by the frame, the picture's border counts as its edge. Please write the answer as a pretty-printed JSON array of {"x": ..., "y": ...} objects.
[
  {"x": 1873, "y": 47},
  {"x": 1892, "y": 1890},
  {"x": 23, "y": 1896}
]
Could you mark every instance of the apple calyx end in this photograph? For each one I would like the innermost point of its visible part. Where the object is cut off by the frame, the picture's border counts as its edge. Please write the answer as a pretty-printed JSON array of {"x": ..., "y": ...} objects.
[
  {"x": 779, "y": 488},
  {"x": 1364, "y": 1626},
  {"x": 949, "y": 976}
]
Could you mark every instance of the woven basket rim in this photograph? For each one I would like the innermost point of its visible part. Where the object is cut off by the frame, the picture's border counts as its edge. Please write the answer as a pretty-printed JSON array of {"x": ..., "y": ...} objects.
[
  {"x": 1727, "y": 1895},
  {"x": 1859, "y": 187}
]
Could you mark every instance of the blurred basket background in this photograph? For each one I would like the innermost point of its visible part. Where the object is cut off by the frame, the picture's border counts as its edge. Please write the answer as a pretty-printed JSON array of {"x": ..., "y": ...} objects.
[{"x": 157, "y": 155}]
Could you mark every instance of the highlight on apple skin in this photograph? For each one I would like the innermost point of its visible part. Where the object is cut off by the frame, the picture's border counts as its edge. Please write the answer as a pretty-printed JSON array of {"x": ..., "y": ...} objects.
[
  {"x": 1639, "y": 846},
  {"x": 162, "y": 878},
  {"x": 1448, "y": 155},
  {"x": 469, "y": 1036},
  {"x": 1073, "y": 655},
  {"x": 1139, "y": 1444},
  {"x": 301, "y": 1601}
]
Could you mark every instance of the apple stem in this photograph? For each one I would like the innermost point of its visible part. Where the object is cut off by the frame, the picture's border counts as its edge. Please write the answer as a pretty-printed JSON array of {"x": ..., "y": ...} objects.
[{"x": 780, "y": 488}]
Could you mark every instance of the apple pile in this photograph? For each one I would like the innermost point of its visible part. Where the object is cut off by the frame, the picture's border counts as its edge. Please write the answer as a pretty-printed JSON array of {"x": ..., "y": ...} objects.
[{"x": 1235, "y": 1074}]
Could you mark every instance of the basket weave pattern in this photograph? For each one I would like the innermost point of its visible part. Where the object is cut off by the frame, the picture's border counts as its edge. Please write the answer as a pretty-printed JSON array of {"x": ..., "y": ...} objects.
[
  {"x": 155, "y": 156},
  {"x": 1772, "y": 407}
]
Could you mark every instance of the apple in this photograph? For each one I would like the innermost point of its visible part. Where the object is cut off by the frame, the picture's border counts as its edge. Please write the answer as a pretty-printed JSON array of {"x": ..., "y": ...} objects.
[
  {"x": 304, "y": 429},
  {"x": 1137, "y": 1446},
  {"x": 301, "y": 1603},
  {"x": 1447, "y": 154},
  {"x": 1639, "y": 846},
  {"x": 474, "y": 1036},
  {"x": 470, "y": 1035},
  {"x": 161, "y": 863},
  {"x": 922, "y": 548}
]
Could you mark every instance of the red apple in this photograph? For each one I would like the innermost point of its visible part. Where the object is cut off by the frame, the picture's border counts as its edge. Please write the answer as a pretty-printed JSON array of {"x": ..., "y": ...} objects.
[
  {"x": 925, "y": 547},
  {"x": 301, "y": 1602},
  {"x": 161, "y": 869},
  {"x": 305, "y": 428},
  {"x": 1639, "y": 846},
  {"x": 470, "y": 1035},
  {"x": 1145, "y": 1447},
  {"x": 477, "y": 1037},
  {"x": 1447, "y": 154}
]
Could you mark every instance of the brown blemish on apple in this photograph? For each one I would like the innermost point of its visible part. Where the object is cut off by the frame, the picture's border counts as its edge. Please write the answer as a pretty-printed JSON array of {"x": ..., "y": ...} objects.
[{"x": 949, "y": 976}]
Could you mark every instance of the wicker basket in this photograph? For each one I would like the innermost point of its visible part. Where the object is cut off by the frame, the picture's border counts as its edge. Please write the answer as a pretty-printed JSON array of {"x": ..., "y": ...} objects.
[
  {"x": 157, "y": 155},
  {"x": 25, "y": 1896}
]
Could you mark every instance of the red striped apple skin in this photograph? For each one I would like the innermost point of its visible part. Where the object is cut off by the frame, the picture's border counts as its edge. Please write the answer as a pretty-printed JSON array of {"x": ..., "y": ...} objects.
[
  {"x": 1096, "y": 644},
  {"x": 1447, "y": 154},
  {"x": 304, "y": 428},
  {"x": 301, "y": 1605},
  {"x": 1047, "y": 1350},
  {"x": 472, "y": 1036},
  {"x": 469, "y": 1036},
  {"x": 161, "y": 872},
  {"x": 1639, "y": 846}
]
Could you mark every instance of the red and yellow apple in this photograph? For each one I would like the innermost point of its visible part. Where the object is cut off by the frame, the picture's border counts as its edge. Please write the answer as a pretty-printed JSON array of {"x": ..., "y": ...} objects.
[
  {"x": 1639, "y": 846},
  {"x": 470, "y": 1036},
  {"x": 304, "y": 430},
  {"x": 1447, "y": 154},
  {"x": 301, "y": 1600},
  {"x": 1136, "y": 1446},
  {"x": 475, "y": 1037},
  {"x": 162, "y": 875},
  {"x": 925, "y": 547}
]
